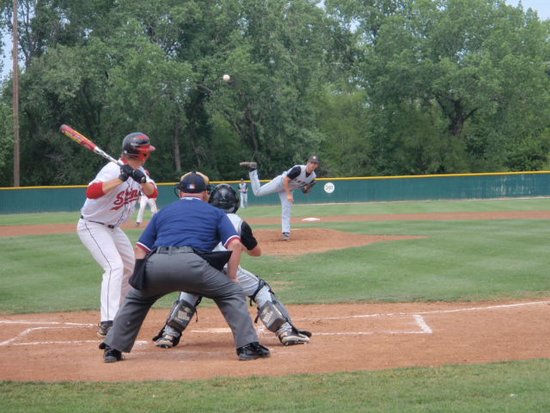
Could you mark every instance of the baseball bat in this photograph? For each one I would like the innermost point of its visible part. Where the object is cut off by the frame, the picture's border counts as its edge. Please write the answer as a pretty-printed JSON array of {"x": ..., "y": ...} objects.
[{"x": 87, "y": 143}]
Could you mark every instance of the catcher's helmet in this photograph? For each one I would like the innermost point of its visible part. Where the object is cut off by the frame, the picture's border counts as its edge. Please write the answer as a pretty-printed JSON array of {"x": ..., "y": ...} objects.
[
  {"x": 224, "y": 197},
  {"x": 137, "y": 145}
]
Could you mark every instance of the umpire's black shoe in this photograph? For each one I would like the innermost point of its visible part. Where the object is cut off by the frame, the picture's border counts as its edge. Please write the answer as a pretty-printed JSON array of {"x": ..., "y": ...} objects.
[
  {"x": 252, "y": 351},
  {"x": 111, "y": 355}
]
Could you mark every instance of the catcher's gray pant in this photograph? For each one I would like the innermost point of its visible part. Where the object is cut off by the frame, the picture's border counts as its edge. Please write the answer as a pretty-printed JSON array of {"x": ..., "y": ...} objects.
[
  {"x": 249, "y": 283},
  {"x": 275, "y": 186},
  {"x": 177, "y": 271}
]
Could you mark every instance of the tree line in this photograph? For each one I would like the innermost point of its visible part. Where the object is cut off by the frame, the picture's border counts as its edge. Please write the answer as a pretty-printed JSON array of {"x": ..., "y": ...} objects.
[{"x": 374, "y": 87}]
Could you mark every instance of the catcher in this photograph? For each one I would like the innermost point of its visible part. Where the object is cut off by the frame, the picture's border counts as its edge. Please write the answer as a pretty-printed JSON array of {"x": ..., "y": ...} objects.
[
  {"x": 271, "y": 311},
  {"x": 298, "y": 177}
]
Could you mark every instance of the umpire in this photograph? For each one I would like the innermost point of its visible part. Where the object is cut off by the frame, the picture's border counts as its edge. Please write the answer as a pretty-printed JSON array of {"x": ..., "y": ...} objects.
[{"x": 173, "y": 253}]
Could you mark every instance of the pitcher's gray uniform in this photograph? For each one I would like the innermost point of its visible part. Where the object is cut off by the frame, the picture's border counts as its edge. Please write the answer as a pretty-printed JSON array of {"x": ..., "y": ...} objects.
[
  {"x": 271, "y": 311},
  {"x": 243, "y": 191},
  {"x": 297, "y": 177}
]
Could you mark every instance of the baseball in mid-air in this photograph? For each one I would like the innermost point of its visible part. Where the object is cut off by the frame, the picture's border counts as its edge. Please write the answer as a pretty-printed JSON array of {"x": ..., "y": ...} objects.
[{"x": 226, "y": 78}]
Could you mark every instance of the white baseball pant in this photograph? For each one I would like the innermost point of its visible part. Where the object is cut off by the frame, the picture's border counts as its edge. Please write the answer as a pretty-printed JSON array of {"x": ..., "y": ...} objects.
[
  {"x": 113, "y": 251},
  {"x": 143, "y": 202}
]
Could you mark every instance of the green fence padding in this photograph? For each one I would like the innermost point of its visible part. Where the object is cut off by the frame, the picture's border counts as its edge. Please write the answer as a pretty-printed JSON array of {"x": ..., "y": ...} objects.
[{"x": 327, "y": 190}]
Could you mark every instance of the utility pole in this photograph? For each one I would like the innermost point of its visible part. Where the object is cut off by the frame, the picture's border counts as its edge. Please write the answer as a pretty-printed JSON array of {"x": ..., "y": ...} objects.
[{"x": 15, "y": 104}]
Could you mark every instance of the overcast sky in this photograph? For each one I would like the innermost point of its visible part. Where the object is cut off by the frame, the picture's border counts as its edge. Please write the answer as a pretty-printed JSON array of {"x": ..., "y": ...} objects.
[{"x": 542, "y": 7}]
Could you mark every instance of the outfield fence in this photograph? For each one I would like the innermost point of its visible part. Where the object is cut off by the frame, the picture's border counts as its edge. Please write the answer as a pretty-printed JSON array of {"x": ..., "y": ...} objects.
[{"x": 328, "y": 190}]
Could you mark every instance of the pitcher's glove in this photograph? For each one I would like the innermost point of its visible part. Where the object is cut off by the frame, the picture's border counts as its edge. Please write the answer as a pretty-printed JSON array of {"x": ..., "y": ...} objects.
[{"x": 307, "y": 187}]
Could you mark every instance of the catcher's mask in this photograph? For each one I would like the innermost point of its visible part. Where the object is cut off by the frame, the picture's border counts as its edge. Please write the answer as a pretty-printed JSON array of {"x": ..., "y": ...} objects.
[
  {"x": 223, "y": 196},
  {"x": 192, "y": 183},
  {"x": 137, "y": 146}
]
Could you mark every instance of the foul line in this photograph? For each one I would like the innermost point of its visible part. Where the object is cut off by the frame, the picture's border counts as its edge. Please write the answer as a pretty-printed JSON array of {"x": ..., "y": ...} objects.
[
  {"x": 48, "y": 323},
  {"x": 423, "y": 327},
  {"x": 456, "y": 310}
]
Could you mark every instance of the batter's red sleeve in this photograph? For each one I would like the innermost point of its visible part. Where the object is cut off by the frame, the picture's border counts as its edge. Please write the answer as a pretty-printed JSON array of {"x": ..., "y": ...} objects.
[
  {"x": 155, "y": 194},
  {"x": 95, "y": 190}
]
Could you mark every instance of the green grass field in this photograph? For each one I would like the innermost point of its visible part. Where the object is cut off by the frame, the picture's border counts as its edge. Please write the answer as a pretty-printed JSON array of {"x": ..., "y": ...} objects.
[{"x": 456, "y": 261}]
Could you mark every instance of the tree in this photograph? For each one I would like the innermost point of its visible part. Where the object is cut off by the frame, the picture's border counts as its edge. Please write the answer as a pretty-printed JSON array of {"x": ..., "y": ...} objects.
[
  {"x": 391, "y": 86},
  {"x": 456, "y": 56}
]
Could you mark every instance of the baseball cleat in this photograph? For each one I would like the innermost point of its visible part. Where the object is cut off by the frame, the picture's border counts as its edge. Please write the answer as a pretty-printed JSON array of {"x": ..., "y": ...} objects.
[
  {"x": 286, "y": 236},
  {"x": 252, "y": 351},
  {"x": 250, "y": 165},
  {"x": 103, "y": 328},
  {"x": 166, "y": 341},
  {"x": 290, "y": 338},
  {"x": 111, "y": 355}
]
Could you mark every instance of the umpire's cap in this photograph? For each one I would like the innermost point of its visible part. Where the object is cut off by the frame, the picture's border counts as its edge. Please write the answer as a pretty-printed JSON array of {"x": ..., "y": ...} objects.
[
  {"x": 313, "y": 159},
  {"x": 194, "y": 183}
]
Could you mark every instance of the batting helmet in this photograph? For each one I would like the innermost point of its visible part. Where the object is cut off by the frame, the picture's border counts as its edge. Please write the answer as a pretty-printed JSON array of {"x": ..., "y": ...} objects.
[
  {"x": 137, "y": 145},
  {"x": 224, "y": 197}
]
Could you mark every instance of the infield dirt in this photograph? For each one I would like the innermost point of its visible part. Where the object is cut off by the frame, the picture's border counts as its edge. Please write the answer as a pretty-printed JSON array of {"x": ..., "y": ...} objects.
[{"x": 346, "y": 337}]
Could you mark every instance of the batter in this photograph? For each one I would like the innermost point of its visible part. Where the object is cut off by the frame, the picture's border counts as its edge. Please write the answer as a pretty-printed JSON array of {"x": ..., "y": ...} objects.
[{"x": 110, "y": 200}]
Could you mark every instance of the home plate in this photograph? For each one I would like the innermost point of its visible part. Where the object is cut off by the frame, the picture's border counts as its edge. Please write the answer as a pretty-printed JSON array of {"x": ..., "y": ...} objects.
[{"x": 311, "y": 219}]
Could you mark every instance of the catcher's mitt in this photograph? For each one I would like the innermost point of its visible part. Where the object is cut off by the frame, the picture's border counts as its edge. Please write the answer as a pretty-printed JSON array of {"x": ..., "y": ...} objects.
[{"x": 307, "y": 187}]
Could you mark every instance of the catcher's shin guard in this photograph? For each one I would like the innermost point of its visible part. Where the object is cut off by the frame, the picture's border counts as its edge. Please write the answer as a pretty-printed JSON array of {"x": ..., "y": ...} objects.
[
  {"x": 272, "y": 313},
  {"x": 180, "y": 316},
  {"x": 271, "y": 316},
  {"x": 275, "y": 316}
]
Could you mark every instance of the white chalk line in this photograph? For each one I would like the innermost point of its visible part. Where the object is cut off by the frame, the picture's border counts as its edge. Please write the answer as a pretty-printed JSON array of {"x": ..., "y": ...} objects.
[
  {"x": 48, "y": 323},
  {"x": 431, "y": 312},
  {"x": 424, "y": 328},
  {"x": 74, "y": 342}
]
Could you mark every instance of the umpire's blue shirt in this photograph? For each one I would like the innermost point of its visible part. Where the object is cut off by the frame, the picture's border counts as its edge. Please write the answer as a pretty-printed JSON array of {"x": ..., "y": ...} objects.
[{"x": 188, "y": 222}]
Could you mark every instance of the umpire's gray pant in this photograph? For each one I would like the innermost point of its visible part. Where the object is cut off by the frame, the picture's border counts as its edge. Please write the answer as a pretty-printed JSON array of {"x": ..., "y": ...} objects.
[{"x": 181, "y": 270}]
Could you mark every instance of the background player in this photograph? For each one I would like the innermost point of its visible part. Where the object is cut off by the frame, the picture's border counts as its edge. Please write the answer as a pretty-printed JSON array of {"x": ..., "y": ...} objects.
[
  {"x": 243, "y": 192},
  {"x": 110, "y": 200},
  {"x": 271, "y": 311},
  {"x": 144, "y": 200},
  {"x": 297, "y": 177}
]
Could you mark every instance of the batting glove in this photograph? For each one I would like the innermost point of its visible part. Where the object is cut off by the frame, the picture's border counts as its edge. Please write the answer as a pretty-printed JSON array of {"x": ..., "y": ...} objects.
[
  {"x": 125, "y": 172},
  {"x": 138, "y": 176}
]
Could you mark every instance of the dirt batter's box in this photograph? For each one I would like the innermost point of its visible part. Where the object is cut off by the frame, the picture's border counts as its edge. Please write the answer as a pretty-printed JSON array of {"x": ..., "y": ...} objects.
[{"x": 32, "y": 333}]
